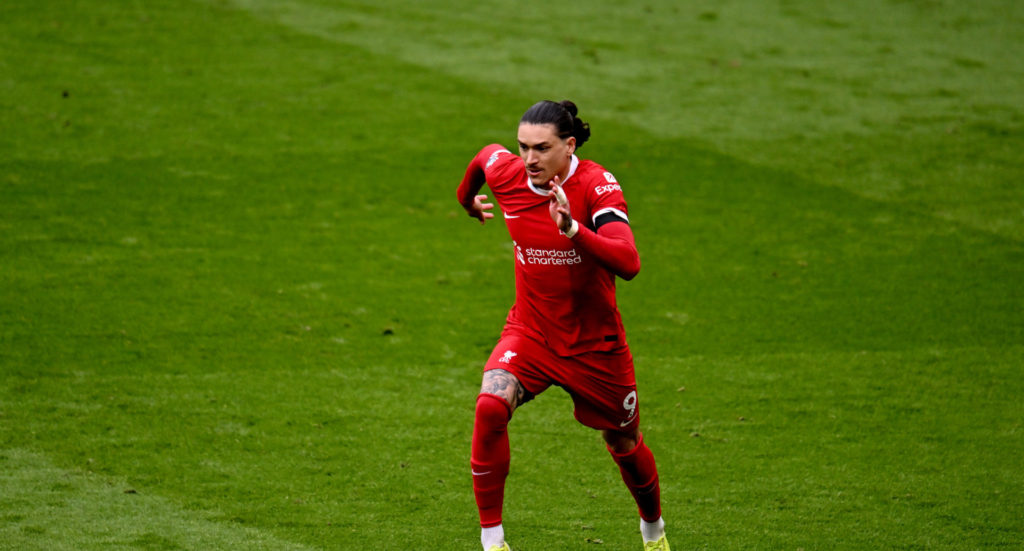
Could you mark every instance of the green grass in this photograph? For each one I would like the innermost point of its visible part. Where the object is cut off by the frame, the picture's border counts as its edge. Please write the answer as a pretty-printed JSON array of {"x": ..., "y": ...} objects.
[{"x": 241, "y": 309}]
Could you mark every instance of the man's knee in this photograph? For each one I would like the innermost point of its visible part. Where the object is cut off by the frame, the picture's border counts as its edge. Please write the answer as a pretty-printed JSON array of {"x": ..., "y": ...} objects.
[
  {"x": 621, "y": 442},
  {"x": 504, "y": 385},
  {"x": 492, "y": 410}
]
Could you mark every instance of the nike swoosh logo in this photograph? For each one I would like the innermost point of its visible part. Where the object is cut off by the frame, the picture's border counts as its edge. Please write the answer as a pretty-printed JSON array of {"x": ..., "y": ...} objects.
[
  {"x": 509, "y": 216},
  {"x": 481, "y": 474}
]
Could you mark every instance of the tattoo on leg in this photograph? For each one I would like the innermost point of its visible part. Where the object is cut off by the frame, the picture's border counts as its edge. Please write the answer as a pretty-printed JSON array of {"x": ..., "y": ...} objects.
[{"x": 504, "y": 384}]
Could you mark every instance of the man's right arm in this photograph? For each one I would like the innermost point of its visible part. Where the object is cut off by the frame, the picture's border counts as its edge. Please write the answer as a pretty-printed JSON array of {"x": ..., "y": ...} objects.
[{"x": 474, "y": 179}]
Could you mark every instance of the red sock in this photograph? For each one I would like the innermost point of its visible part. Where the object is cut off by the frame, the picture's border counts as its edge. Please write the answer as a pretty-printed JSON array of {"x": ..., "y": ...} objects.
[
  {"x": 641, "y": 477},
  {"x": 490, "y": 456}
]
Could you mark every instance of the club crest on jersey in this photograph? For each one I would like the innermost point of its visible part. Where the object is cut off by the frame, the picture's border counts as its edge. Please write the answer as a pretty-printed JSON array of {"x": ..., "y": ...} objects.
[{"x": 507, "y": 358}]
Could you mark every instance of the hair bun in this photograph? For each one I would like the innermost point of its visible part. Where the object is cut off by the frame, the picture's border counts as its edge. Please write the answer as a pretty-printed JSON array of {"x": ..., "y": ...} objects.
[
  {"x": 570, "y": 107},
  {"x": 581, "y": 131}
]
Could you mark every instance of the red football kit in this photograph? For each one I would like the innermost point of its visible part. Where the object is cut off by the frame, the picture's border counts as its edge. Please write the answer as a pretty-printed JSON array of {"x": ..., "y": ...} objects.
[{"x": 565, "y": 327}]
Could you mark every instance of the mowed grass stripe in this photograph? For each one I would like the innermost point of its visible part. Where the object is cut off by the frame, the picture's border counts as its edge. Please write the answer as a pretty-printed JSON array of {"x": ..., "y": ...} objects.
[
  {"x": 911, "y": 104},
  {"x": 151, "y": 264},
  {"x": 899, "y": 434},
  {"x": 47, "y": 508},
  {"x": 738, "y": 257}
]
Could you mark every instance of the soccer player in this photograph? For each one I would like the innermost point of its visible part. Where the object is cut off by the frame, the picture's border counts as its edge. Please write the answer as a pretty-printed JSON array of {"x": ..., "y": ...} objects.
[{"x": 571, "y": 236}]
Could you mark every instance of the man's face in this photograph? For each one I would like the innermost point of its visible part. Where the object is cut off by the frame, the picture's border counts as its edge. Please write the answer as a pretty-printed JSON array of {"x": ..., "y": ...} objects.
[{"x": 545, "y": 154}]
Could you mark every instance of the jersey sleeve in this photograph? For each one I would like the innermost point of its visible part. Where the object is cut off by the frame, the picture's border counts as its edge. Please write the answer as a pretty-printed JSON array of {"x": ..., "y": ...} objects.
[
  {"x": 501, "y": 166},
  {"x": 481, "y": 170},
  {"x": 494, "y": 165},
  {"x": 611, "y": 240},
  {"x": 614, "y": 247},
  {"x": 608, "y": 204}
]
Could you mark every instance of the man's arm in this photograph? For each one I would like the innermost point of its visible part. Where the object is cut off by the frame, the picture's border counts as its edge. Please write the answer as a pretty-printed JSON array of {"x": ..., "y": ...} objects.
[
  {"x": 612, "y": 244},
  {"x": 614, "y": 247},
  {"x": 469, "y": 188}
]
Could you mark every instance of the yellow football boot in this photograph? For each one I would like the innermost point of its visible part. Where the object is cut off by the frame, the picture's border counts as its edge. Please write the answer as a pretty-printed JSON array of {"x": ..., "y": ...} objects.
[{"x": 660, "y": 545}]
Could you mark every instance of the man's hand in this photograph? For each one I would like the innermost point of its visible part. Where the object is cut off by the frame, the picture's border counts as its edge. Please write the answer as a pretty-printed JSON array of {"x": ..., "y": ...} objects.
[
  {"x": 558, "y": 206},
  {"x": 480, "y": 210}
]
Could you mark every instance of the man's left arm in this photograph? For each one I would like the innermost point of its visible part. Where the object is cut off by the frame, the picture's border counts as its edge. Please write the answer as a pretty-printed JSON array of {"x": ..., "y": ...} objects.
[{"x": 613, "y": 246}]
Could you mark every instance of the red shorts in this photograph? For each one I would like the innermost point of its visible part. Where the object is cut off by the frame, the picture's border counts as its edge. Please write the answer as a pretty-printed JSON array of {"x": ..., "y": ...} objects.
[{"x": 602, "y": 384}]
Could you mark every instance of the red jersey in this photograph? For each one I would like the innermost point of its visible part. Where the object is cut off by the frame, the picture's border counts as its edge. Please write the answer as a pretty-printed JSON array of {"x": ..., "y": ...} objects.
[{"x": 565, "y": 293}]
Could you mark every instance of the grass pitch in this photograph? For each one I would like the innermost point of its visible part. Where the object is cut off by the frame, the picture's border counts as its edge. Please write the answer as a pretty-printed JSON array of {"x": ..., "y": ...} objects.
[{"x": 240, "y": 308}]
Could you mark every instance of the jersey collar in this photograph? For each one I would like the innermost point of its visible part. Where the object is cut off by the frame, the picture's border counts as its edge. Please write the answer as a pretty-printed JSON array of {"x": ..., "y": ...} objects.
[{"x": 572, "y": 170}]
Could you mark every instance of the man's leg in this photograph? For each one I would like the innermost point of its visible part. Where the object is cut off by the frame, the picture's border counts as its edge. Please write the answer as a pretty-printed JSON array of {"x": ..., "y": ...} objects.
[
  {"x": 500, "y": 393},
  {"x": 640, "y": 473}
]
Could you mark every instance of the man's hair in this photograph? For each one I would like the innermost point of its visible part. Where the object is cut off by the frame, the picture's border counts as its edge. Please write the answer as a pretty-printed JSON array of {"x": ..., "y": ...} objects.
[{"x": 562, "y": 115}]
